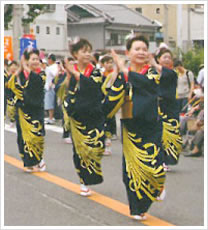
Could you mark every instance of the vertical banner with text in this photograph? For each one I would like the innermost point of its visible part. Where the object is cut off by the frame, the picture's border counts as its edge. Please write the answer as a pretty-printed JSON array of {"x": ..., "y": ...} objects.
[{"x": 8, "y": 50}]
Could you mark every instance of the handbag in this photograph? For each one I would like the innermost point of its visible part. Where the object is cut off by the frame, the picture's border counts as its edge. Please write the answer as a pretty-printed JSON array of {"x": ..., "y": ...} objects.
[{"x": 127, "y": 107}]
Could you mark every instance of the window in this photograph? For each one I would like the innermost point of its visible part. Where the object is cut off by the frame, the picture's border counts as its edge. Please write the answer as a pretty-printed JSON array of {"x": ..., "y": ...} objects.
[
  {"x": 57, "y": 30},
  {"x": 50, "y": 7},
  {"x": 139, "y": 9},
  {"x": 172, "y": 44},
  {"x": 47, "y": 30},
  {"x": 158, "y": 11},
  {"x": 199, "y": 6},
  {"x": 37, "y": 29},
  {"x": 151, "y": 38},
  {"x": 116, "y": 39}
]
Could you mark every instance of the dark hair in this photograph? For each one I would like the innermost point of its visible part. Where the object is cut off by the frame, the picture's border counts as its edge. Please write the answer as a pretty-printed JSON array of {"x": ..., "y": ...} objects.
[
  {"x": 177, "y": 63},
  {"x": 106, "y": 58},
  {"x": 96, "y": 56},
  {"x": 6, "y": 62},
  {"x": 201, "y": 66},
  {"x": 161, "y": 52},
  {"x": 13, "y": 62},
  {"x": 69, "y": 59},
  {"x": 136, "y": 38},
  {"x": 82, "y": 43},
  {"x": 52, "y": 57},
  {"x": 29, "y": 52}
]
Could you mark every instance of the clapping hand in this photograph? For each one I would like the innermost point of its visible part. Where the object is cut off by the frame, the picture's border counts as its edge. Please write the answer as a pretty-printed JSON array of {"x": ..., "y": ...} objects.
[
  {"x": 69, "y": 66},
  {"x": 120, "y": 62},
  {"x": 153, "y": 63}
]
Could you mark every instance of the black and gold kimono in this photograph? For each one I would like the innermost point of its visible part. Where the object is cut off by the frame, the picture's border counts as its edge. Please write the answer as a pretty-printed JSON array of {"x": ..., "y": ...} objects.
[
  {"x": 143, "y": 173},
  {"x": 110, "y": 124},
  {"x": 6, "y": 79},
  {"x": 29, "y": 102},
  {"x": 61, "y": 92},
  {"x": 84, "y": 108},
  {"x": 171, "y": 138}
]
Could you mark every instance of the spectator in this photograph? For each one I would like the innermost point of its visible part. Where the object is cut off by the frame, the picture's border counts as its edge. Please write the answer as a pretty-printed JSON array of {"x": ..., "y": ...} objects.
[
  {"x": 185, "y": 85},
  {"x": 42, "y": 54},
  {"x": 200, "y": 77},
  {"x": 198, "y": 139},
  {"x": 51, "y": 73},
  {"x": 44, "y": 63},
  {"x": 193, "y": 113}
]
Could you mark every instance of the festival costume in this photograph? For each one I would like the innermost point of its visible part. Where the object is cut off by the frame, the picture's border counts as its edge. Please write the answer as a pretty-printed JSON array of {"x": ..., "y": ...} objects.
[
  {"x": 84, "y": 108},
  {"x": 110, "y": 126},
  {"x": 143, "y": 173},
  {"x": 6, "y": 90},
  {"x": 28, "y": 90},
  {"x": 171, "y": 138}
]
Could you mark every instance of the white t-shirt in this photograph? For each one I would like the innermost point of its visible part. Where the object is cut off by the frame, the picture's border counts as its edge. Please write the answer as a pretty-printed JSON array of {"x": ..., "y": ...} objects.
[
  {"x": 183, "y": 89},
  {"x": 51, "y": 72},
  {"x": 200, "y": 78}
]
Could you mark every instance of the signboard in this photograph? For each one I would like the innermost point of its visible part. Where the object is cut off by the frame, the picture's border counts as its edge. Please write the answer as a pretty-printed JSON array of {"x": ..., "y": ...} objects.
[
  {"x": 8, "y": 50},
  {"x": 25, "y": 43}
]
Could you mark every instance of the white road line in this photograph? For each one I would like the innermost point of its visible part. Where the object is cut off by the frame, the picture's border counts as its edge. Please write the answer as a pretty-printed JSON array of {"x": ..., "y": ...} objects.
[{"x": 53, "y": 128}]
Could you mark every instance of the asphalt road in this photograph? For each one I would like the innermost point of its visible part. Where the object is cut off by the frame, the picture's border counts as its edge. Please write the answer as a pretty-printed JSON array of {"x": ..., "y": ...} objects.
[{"x": 30, "y": 200}]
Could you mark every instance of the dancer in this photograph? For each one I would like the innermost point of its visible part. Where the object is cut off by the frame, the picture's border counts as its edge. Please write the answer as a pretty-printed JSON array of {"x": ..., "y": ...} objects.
[
  {"x": 136, "y": 91},
  {"x": 6, "y": 79},
  {"x": 171, "y": 138},
  {"x": 110, "y": 125},
  {"x": 61, "y": 86},
  {"x": 28, "y": 88},
  {"x": 83, "y": 105}
]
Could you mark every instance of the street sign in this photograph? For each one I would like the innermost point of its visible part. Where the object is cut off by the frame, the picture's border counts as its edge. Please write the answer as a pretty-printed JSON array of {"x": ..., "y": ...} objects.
[
  {"x": 8, "y": 51},
  {"x": 25, "y": 43}
]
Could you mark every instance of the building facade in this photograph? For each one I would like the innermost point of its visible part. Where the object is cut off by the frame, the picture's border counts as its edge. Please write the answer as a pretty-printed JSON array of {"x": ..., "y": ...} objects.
[
  {"x": 182, "y": 25},
  {"x": 49, "y": 29},
  {"x": 107, "y": 25}
]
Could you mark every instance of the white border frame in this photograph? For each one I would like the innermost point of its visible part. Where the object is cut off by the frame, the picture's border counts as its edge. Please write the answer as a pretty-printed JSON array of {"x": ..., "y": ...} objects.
[{"x": 2, "y": 114}]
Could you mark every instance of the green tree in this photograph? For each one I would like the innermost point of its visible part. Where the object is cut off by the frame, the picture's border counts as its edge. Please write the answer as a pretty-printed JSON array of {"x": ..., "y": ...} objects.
[
  {"x": 33, "y": 11},
  {"x": 193, "y": 59},
  {"x": 7, "y": 15}
]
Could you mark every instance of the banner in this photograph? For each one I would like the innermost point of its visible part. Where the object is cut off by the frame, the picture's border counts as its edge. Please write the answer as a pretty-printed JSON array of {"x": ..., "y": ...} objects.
[
  {"x": 8, "y": 50},
  {"x": 26, "y": 42}
]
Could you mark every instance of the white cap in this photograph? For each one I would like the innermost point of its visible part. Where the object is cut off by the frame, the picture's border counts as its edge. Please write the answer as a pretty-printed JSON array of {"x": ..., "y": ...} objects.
[{"x": 44, "y": 61}]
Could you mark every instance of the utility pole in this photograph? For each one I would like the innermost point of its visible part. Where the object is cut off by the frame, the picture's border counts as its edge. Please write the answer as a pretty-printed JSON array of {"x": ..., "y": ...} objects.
[
  {"x": 165, "y": 24},
  {"x": 179, "y": 29},
  {"x": 189, "y": 27},
  {"x": 17, "y": 29}
]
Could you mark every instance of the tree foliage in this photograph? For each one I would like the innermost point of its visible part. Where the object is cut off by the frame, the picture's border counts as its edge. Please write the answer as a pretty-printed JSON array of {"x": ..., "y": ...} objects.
[
  {"x": 34, "y": 11},
  {"x": 193, "y": 59},
  {"x": 7, "y": 15}
]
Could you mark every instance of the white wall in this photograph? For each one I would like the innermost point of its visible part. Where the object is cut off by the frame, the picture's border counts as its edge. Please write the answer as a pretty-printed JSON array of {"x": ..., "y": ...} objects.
[
  {"x": 196, "y": 26},
  {"x": 52, "y": 41}
]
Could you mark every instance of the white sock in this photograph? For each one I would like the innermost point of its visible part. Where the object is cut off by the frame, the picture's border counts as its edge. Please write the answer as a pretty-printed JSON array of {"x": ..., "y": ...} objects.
[{"x": 83, "y": 187}]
